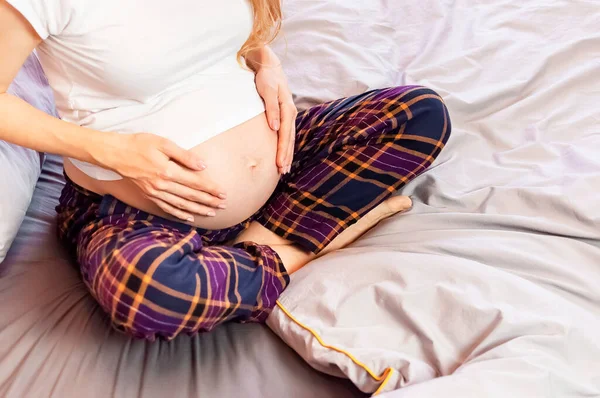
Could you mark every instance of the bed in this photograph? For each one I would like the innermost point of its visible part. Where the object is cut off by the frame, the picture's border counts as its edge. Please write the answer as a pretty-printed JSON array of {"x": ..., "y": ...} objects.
[{"x": 489, "y": 286}]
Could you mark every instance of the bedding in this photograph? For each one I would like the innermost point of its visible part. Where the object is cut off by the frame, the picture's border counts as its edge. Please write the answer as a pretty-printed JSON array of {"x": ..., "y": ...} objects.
[
  {"x": 20, "y": 167},
  {"x": 487, "y": 287},
  {"x": 490, "y": 285}
]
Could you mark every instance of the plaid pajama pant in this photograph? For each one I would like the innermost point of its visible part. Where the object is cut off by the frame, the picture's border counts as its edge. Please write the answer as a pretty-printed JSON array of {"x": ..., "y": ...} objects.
[{"x": 159, "y": 278}]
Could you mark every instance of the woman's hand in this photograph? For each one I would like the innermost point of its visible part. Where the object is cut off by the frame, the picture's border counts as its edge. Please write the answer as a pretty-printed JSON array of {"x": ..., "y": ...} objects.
[
  {"x": 272, "y": 86},
  {"x": 165, "y": 173}
]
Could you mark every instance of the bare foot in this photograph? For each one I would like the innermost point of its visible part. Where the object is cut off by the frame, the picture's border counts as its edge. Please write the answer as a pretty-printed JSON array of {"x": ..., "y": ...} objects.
[
  {"x": 257, "y": 233},
  {"x": 387, "y": 208},
  {"x": 294, "y": 257}
]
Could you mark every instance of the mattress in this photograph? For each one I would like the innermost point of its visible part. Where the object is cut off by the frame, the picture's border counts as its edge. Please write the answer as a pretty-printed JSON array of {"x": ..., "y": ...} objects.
[{"x": 56, "y": 342}]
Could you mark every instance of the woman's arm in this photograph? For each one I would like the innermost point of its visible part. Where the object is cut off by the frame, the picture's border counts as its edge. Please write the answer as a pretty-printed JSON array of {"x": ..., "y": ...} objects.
[
  {"x": 163, "y": 171},
  {"x": 21, "y": 123},
  {"x": 272, "y": 86}
]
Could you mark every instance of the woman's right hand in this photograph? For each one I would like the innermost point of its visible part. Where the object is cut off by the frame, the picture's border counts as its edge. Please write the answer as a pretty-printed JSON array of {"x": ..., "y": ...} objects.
[{"x": 165, "y": 173}]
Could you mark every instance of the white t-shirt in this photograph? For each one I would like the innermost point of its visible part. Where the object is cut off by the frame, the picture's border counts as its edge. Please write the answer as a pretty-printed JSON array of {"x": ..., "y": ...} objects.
[{"x": 166, "y": 67}]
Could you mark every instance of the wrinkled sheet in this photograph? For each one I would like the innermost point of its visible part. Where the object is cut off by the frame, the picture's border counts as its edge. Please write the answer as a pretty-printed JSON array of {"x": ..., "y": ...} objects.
[
  {"x": 56, "y": 342},
  {"x": 490, "y": 285}
]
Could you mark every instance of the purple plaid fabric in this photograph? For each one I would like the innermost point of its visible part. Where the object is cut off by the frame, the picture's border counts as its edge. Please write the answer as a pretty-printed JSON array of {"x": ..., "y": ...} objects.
[{"x": 159, "y": 278}]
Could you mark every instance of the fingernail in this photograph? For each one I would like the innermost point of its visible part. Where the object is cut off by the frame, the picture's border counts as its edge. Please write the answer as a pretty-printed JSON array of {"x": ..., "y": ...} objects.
[
  {"x": 201, "y": 165},
  {"x": 222, "y": 206},
  {"x": 222, "y": 196},
  {"x": 189, "y": 219},
  {"x": 275, "y": 124},
  {"x": 211, "y": 214}
]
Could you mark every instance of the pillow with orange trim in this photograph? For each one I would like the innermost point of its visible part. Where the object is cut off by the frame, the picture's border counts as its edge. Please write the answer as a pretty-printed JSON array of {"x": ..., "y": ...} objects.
[
  {"x": 350, "y": 323},
  {"x": 414, "y": 323}
]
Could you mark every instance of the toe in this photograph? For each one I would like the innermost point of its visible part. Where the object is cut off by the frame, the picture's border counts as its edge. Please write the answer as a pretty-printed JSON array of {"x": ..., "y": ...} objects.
[{"x": 399, "y": 203}]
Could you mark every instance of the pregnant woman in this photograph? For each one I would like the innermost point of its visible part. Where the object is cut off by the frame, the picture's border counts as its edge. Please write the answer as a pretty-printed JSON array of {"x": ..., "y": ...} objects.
[{"x": 193, "y": 186}]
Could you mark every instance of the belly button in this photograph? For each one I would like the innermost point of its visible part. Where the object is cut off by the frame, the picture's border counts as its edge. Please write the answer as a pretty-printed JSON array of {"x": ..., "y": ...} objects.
[{"x": 252, "y": 163}]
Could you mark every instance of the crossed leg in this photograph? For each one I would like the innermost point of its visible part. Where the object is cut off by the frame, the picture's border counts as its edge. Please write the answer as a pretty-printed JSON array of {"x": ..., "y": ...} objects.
[{"x": 294, "y": 257}]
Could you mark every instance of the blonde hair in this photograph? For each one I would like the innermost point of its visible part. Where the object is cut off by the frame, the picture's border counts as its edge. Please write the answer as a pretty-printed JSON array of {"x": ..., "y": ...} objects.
[{"x": 267, "y": 24}]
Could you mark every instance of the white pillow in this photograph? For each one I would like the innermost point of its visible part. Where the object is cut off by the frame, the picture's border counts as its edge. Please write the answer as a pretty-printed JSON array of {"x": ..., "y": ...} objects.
[{"x": 20, "y": 167}]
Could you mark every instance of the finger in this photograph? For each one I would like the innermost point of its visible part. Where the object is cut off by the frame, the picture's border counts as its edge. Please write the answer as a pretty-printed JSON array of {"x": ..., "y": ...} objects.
[
  {"x": 184, "y": 157},
  {"x": 288, "y": 112},
  {"x": 177, "y": 213},
  {"x": 187, "y": 206},
  {"x": 283, "y": 142},
  {"x": 194, "y": 181},
  {"x": 290, "y": 158},
  {"x": 194, "y": 195},
  {"x": 272, "y": 107}
]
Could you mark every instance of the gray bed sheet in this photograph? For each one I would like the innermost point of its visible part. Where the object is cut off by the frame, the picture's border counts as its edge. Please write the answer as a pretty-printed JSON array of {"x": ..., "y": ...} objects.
[{"x": 56, "y": 342}]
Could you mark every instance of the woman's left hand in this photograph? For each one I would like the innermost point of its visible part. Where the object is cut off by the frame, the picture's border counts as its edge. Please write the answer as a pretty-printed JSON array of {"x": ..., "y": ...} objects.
[{"x": 272, "y": 86}]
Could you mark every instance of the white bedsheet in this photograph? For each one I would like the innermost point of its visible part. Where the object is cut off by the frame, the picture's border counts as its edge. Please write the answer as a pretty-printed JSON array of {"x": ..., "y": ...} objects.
[{"x": 490, "y": 286}]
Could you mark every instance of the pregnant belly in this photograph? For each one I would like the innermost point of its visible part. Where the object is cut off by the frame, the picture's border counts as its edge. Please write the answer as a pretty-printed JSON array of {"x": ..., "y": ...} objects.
[{"x": 241, "y": 160}]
